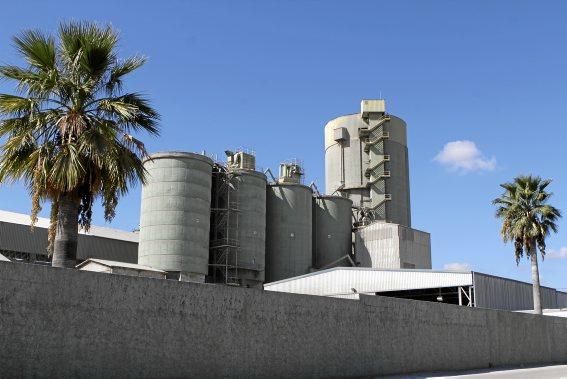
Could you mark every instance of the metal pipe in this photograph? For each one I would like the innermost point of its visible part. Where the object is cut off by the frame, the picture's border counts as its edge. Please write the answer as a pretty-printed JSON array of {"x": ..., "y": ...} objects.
[{"x": 268, "y": 171}]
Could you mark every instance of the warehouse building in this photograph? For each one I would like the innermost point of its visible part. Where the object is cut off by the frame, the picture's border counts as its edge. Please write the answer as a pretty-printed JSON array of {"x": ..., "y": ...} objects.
[
  {"x": 466, "y": 288},
  {"x": 20, "y": 243}
]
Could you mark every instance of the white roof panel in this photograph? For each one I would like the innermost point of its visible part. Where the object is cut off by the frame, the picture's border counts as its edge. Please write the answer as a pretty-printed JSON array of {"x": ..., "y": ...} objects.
[
  {"x": 4, "y": 259},
  {"x": 118, "y": 264},
  {"x": 96, "y": 231},
  {"x": 341, "y": 281}
]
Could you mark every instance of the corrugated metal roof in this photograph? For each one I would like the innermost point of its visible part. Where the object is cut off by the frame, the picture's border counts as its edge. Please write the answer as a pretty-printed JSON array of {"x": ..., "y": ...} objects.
[
  {"x": 96, "y": 231},
  {"x": 119, "y": 264},
  {"x": 342, "y": 281}
]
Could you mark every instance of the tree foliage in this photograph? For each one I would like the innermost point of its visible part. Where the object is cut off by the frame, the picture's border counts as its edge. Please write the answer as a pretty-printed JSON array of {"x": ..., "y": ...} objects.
[
  {"x": 527, "y": 218},
  {"x": 69, "y": 127}
]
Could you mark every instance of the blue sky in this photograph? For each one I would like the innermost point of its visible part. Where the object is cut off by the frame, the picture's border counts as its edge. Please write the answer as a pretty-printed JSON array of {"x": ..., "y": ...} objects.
[{"x": 268, "y": 75}]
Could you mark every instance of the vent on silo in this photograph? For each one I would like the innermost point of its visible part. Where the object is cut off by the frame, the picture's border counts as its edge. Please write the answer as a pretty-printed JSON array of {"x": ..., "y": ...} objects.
[
  {"x": 372, "y": 106},
  {"x": 240, "y": 160},
  {"x": 290, "y": 172}
]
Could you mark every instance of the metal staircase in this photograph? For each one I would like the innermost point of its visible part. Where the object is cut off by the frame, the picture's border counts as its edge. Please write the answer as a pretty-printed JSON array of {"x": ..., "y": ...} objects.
[
  {"x": 377, "y": 172},
  {"x": 224, "y": 245}
]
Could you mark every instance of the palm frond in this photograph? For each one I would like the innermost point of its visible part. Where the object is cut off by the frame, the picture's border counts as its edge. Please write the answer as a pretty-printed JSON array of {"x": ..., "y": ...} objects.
[
  {"x": 527, "y": 219},
  {"x": 70, "y": 130},
  {"x": 121, "y": 69},
  {"x": 37, "y": 49}
]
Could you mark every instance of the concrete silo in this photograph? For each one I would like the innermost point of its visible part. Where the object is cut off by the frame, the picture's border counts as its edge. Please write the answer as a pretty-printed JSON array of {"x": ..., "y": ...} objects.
[
  {"x": 251, "y": 194},
  {"x": 366, "y": 159},
  {"x": 289, "y": 244},
  {"x": 332, "y": 231},
  {"x": 175, "y": 214}
]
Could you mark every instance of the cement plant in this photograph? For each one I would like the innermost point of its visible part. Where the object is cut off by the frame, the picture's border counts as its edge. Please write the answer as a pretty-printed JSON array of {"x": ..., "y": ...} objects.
[{"x": 241, "y": 272}]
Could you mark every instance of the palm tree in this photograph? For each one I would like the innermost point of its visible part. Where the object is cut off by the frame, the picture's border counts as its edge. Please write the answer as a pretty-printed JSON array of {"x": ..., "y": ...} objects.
[
  {"x": 68, "y": 129},
  {"x": 527, "y": 220}
]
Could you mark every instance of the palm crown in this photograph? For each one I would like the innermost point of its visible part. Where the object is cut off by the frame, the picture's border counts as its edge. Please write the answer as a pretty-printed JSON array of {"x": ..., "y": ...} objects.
[
  {"x": 68, "y": 131},
  {"x": 527, "y": 218}
]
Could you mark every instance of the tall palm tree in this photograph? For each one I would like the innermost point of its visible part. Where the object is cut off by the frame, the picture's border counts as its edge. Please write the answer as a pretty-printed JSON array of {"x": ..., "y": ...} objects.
[
  {"x": 527, "y": 219},
  {"x": 68, "y": 129}
]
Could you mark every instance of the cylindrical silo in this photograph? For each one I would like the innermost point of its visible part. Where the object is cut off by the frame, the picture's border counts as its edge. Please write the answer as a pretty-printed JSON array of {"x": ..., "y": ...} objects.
[
  {"x": 366, "y": 159},
  {"x": 332, "y": 231},
  {"x": 289, "y": 241},
  {"x": 250, "y": 189},
  {"x": 175, "y": 214}
]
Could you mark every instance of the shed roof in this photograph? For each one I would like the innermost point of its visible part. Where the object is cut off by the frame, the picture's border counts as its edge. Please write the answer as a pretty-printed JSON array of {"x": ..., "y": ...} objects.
[
  {"x": 115, "y": 264},
  {"x": 96, "y": 231},
  {"x": 342, "y": 281},
  {"x": 4, "y": 259}
]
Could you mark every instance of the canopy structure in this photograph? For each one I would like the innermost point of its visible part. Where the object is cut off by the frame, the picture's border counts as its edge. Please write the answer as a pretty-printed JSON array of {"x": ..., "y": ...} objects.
[{"x": 467, "y": 288}]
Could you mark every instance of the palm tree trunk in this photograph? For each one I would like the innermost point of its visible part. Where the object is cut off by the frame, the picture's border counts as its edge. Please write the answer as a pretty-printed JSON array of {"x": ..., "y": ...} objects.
[
  {"x": 65, "y": 244},
  {"x": 535, "y": 280}
]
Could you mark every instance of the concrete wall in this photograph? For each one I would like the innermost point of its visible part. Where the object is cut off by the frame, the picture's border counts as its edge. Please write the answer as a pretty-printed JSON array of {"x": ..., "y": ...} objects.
[{"x": 61, "y": 322}]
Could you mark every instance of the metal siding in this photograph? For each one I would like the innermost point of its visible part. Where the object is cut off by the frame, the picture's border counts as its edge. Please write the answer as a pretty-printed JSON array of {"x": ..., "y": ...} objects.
[
  {"x": 561, "y": 299},
  {"x": 548, "y": 298},
  {"x": 385, "y": 245},
  {"x": 377, "y": 246},
  {"x": 501, "y": 293},
  {"x": 13, "y": 218},
  {"x": 21, "y": 238},
  {"x": 415, "y": 247},
  {"x": 340, "y": 281},
  {"x": 104, "y": 248}
]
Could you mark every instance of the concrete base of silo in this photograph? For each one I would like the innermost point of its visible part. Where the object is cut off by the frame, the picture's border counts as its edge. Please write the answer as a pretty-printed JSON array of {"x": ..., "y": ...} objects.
[{"x": 387, "y": 245}]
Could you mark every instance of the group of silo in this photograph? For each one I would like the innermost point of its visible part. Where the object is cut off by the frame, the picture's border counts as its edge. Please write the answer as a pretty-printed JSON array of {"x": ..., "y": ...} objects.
[
  {"x": 304, "y": 232},
  {"x": 181, "y": 208},
  {"x": 273, "y": 231}
]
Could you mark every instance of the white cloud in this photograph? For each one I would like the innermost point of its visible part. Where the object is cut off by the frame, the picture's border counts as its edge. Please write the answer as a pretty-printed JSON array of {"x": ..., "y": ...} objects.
[
  {"x": 457, "y": 266},
  {"x": 464, "y": 156},
  {"x": 557, "y": 254}
]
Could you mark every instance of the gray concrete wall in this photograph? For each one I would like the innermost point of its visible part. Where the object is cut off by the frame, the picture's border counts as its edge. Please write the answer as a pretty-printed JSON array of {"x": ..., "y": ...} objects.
[{"x": 61, "y": 322}]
